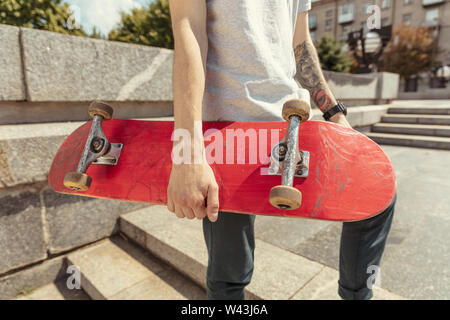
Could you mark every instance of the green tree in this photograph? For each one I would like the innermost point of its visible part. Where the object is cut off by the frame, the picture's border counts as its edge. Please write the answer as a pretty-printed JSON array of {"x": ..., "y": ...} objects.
[
  {"x": 50, "y": 15},
  {"x": 409, "y": 52},
  {"x": 331, "y": 56},
  {"x": 150, "y": 26},
  {"x": 97, "y": 34}
]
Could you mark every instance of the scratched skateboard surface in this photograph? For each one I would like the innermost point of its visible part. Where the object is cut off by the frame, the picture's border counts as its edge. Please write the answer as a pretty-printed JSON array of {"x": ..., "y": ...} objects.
[{"x": 350, "y": 177}]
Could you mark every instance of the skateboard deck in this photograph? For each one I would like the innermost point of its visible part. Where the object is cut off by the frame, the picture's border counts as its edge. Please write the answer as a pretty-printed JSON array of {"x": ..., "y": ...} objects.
[{"x": 349, "y": 177}]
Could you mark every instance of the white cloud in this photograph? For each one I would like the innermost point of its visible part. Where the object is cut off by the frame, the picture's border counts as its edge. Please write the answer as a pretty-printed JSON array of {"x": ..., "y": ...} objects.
[{"x": 104, "y": 14}]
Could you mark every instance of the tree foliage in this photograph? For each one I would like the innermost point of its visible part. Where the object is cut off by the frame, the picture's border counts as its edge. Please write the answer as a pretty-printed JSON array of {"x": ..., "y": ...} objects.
[
  {"x": 50, "y": 15},
  {"x": 97, "y": 34},
  {"x": 331, "y": 55},
  {"x": 150, "y": 26},
  {"x": 409, "y": 52}
]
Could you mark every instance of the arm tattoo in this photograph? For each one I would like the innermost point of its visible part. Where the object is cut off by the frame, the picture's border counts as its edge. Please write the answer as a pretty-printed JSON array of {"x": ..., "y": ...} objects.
[{"x": 309, "y": 75}]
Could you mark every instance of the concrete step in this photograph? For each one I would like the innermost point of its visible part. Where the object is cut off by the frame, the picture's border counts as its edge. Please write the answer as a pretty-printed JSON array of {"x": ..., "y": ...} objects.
[
  {"x": 411, "y": 140},
  {"x": 278, "y": 274},
  {"x": 118, "y": 270},
  {"x": 414, "y": 129},
  {"x": 54, "y": 291},
  {"x": 437, "y": 110},
  {"x": 430, "y": 103},
  {"x": 416, "y": 119}
]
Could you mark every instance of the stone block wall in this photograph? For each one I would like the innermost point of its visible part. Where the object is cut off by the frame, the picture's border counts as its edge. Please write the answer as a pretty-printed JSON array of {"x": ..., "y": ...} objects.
[
  {"x": 50, "y": 77},
  {"x": 363, "y": 89},
  {"x": 11, "y": 76},
  {"x": 35, "y": 222}
]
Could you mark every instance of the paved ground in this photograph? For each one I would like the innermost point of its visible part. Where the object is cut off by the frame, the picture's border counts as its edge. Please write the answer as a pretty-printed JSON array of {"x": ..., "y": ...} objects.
[
  {"x": 54, "y": 291},
  {"x": 416, "y": 262}
]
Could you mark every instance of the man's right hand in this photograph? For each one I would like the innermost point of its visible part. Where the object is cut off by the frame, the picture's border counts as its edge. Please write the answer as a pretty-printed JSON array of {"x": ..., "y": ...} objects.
[{"x": 193, "y": 192}]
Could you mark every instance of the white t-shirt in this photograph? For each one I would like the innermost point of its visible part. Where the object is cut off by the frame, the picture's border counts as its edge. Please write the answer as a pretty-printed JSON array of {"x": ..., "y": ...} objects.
[{"x": 251, "y": 63}]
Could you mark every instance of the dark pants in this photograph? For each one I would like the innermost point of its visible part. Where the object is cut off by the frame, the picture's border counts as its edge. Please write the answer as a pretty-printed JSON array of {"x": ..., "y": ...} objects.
[{"x": 231, "y": 243}]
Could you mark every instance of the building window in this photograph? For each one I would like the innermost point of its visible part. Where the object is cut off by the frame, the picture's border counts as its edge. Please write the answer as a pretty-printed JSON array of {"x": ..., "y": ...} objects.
[
  {"x": 365, "y": 7},
  {"x": 385, "y": 4},
  {"x": 406, "y": 2},
  {"x": 313, "y": 35},
  {"x": 345, "y": 31},
  {"x": 431, "y": 2},
  {"x": 328, "y": 24},
  {"x": 406, "y": 18},
  {"x": 329, "y": 13},
  {"x": 384, "y": 22},
  {"x": 432, "y": 16},
  {"x": 346, "y": 13},
  {"x": 312, "y": 22},
  {"x": 345, "y": 9}
]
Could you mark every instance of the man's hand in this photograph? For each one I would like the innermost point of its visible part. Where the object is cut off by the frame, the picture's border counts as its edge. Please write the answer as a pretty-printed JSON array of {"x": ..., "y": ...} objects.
[
  {"x": 193, "y": 192},
  {"x": 340, "y": 118}
]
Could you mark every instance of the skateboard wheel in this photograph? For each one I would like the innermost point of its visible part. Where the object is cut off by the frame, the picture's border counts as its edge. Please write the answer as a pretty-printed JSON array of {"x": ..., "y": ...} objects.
[
  {"x": 296, "y": 107},
  {"x": 98, "y": 108},
  {"x": 77, "y": 181},
  {"x": 285, "y": 197}
]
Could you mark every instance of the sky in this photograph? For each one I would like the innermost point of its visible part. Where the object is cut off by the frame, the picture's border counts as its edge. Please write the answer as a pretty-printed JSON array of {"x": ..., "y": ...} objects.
[{"x": 104, "y": 14}]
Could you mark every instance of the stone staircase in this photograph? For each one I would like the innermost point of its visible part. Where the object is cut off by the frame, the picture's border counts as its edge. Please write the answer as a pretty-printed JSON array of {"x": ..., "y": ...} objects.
[
  {"x": 160, "y": 257},
  {"x": 422, "y": 126},
  {"x": 278, "y": 275},
  {"x": 119, "y": 270}
]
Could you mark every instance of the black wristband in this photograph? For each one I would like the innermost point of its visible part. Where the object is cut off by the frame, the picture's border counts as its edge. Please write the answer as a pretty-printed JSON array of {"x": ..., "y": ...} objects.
[{"x": 340, "y": 107}]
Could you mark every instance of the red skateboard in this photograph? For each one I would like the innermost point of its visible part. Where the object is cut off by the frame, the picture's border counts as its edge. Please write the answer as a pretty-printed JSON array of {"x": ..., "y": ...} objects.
[{"x": 296, "y": 168}]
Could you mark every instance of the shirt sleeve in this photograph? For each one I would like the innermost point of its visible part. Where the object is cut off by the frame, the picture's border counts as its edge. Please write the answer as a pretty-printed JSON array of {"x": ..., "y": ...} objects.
[{"x": 304, "y": 5}]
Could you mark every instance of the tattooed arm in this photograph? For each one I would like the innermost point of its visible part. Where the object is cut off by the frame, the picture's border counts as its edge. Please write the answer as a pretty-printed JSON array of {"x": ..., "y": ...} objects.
[
  {"x": 309, "y": 72},
  {"x": 309, "y": 75}
]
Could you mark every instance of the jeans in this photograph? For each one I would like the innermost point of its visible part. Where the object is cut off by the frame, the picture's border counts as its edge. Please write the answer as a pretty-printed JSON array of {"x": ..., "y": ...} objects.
[{"x": 231, "y": 244}]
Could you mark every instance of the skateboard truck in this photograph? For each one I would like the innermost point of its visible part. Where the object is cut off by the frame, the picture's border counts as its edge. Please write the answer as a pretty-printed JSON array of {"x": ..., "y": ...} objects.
[
  {"x": 97, "y": 150},
  {"x": 287, "y": 160},
  {"x": 278, "y": 155}
]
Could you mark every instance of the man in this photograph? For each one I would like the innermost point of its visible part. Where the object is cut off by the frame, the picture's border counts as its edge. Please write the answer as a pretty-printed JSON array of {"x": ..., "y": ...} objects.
[{"x": 236, "y": 60}]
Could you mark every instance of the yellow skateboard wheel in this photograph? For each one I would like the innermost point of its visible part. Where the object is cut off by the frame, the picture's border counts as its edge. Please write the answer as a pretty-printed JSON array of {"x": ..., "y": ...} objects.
[
  {"x": 285, "y": 197},
  {"x": 296, "y": 107},
  {"x": 99, "y": 108},
  {"x": 77, "y": 181}
]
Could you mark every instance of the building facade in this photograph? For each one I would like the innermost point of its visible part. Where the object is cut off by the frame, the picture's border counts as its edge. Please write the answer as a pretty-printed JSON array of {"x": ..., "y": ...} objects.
[{"x": 337, "y": 18}]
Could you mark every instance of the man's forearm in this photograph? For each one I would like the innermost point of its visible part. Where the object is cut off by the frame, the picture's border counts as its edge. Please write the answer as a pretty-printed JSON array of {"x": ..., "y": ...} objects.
[
  {"x": 188, "y": 83},
  {"x": 188, "y": 88},
  {"x": 310, "y": 76}
]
